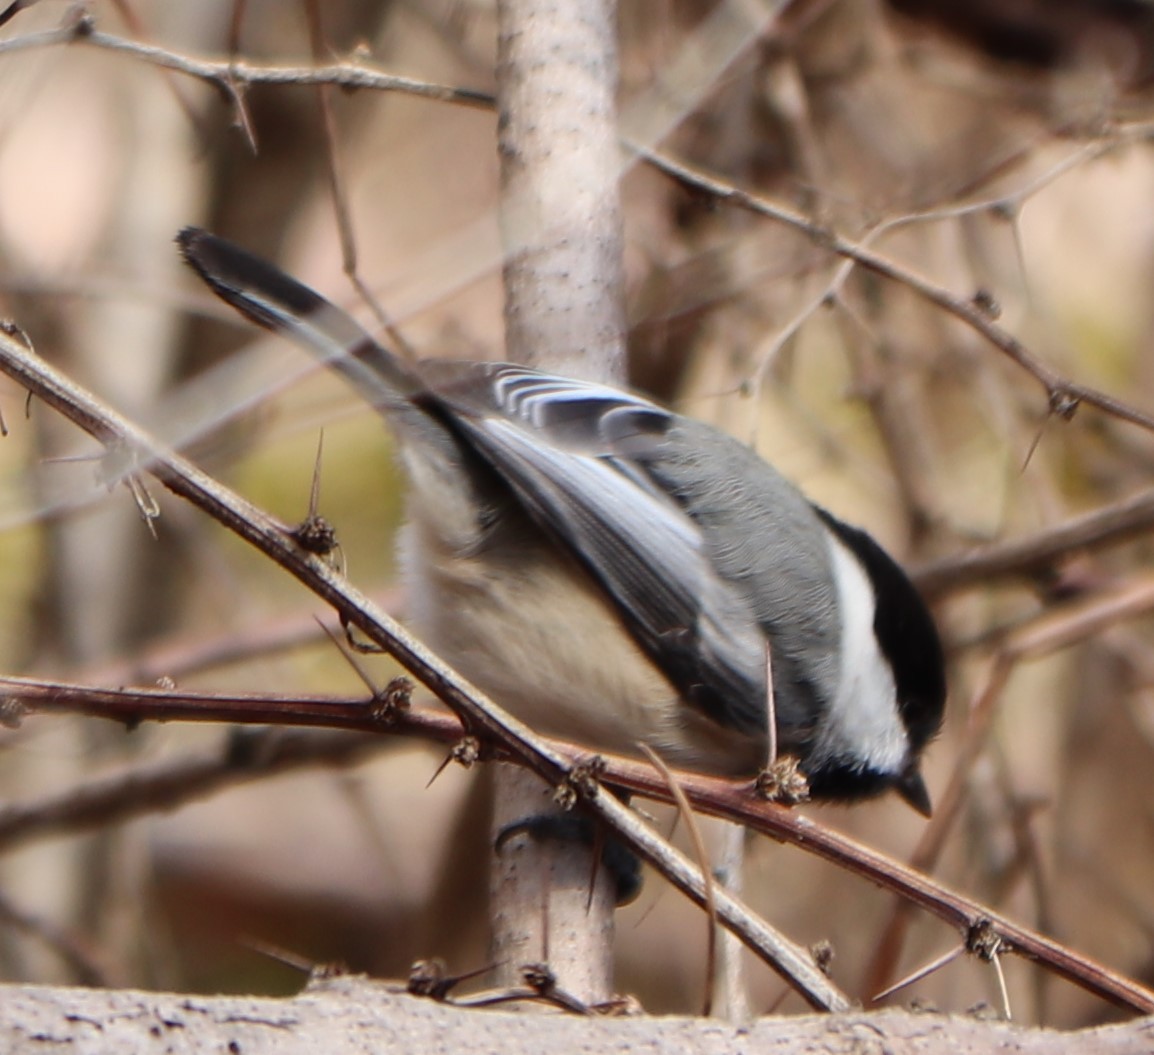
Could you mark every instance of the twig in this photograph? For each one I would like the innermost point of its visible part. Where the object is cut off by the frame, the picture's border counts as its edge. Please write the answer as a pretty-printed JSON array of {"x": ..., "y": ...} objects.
[
  {"x": 719, "y": 799},
  {"x": 696, "y": 840},
  {"x": 1063, "y": 395},
  {"x": 339, "y": 191},
  {"x": 228, "y": 74},
  {"x": 143, "y": 789},
  {"x": 191, "y": 114},
  {"x": 81, "y": 960},
  {"x": 181, "y": 655},
  {"x": 936, "y": 964},
  {"x": 1040, "y": 551},
  {"x": 243, "y": 119},
  {"x": 485, "y": 720},
  {"x": 982, "y": 711},
  {"x": 1054, "y": 630},
  {"x": 130, "y": 707}
]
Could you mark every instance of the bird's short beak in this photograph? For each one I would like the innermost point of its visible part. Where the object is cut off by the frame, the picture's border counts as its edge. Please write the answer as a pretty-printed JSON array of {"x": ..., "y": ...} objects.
[{"x": 912, "y": 788}]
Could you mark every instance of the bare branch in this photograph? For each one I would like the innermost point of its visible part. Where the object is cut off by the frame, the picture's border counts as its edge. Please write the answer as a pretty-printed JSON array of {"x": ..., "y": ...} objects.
[
  {"x": 121, "y": 795},
  {"x": 228, "y": 75},
  {"x": 480, "y": 716},
  {"x": 1063, "y": 395},
  {"x": 1040, "y": 551}
]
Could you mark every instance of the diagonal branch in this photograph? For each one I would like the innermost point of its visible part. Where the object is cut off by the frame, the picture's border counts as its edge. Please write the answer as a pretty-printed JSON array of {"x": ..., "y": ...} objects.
[
  {"x": 1063, "y": 395},
  {"x": 479, "y": 715},
  {"x": 1038, "y": 551},
  {"x": 118, "y": 797}
]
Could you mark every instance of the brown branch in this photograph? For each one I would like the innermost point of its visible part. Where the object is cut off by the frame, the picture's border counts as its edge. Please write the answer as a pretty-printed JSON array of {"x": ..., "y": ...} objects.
[
  {"x": 983, "y": 708},
  {"x": 1063, "y": 395},
  {"x": 181, "y": 655},
  {"x": 1053, "y": 630},
  {"x": 488, "y": 722},
  {"x": 369, "y": 714},
  {"x": 972, "y": 920},
  {"x": 479, "y": 715},
  {"x": 1039, "y": 551},
  {"x": 82, "y": 961},
  {"x": 144, "y": 788},
  {"x": 338, "y": 189},
  {"x": 229, "y": 74},
  {"x": 697, "y": 841},
  {"x": 99, "y": 801}
]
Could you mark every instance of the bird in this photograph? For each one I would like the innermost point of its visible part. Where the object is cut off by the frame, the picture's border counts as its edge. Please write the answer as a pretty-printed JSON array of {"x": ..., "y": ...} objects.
[{"x": 617, "y": 574}]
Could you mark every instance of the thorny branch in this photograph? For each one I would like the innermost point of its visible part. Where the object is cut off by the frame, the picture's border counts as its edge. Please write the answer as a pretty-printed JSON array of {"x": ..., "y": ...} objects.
[
  {"x": 120, "y": 796},
  {"x": 1063, "y": 395},
  {"x": 483, "y": 719},
  {"x": 479, "y": 715},
  {"x": 229, "y": 75}
]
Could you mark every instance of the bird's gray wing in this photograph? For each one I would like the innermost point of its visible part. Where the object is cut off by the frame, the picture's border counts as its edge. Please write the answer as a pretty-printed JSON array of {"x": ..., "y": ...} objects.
[{"x": 568, "y": 448}]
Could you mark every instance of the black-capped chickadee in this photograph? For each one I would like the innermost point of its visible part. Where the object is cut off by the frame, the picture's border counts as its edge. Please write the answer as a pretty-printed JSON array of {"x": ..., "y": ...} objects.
[{"x": 615, "y": 573}]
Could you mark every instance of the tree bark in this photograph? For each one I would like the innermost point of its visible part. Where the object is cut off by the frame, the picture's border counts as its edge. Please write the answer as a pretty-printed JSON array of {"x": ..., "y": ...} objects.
[{"x": 564, "y": 311}]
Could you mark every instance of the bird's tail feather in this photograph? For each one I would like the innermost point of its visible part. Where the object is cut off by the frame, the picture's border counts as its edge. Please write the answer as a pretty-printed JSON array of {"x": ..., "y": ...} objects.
[{"x": 274, "y": 300}]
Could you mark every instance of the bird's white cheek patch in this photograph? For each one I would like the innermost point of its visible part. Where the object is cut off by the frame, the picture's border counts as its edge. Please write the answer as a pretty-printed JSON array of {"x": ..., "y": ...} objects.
[{"x": 863, "y": 724}]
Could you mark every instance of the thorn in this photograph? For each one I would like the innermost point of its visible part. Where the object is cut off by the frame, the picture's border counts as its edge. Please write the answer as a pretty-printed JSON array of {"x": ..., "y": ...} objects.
[
  {"x": 1064, "y": 404},
  {"x": 684, "y": 809},
  {"x": 145, "y": 503},
  {"x": 289, "y": 958},
  {"x": 823, "y": 956},
  {"x": 987, "y": 944},
  {"x": 466, "y": 752},
  {"x": 8, "y": 326},
  {"x": 987, "y": 304},
  {"x": 315, "y": 490},
  {"x": 540, "y": 978},
  {"x": 1034, "y": 444},
  {"x": 387, "y": 704},
  {"x": 315, "y": 535},
  {"x": 429, "y": 978},
  {"x": 983, "y": 940},
  {"x": 1003, "y": 989},
  {"x": 349, "y": 657},
  {"x": 770, "y": 712},
  {"x": 922, "y": 972}
]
